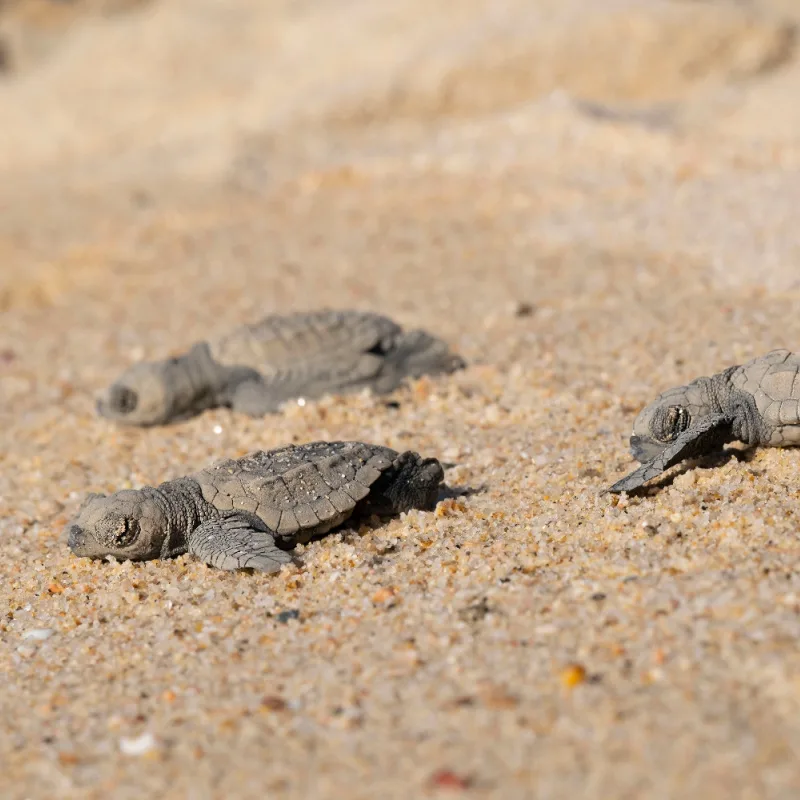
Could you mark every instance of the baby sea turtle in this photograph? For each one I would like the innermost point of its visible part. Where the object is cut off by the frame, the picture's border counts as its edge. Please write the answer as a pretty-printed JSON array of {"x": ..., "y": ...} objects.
[
  {"x": 755, "y": 403},
  {"x": 258, "y": 367},
  {"x": 249, "y": 512}
]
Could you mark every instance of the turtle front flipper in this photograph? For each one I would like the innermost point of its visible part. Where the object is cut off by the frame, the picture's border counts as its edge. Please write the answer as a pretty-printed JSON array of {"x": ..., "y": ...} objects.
[
  {"x": 706, "y": 435},
  {"x": 254, "y": 398},
  {"x": 237, "y": 540}
]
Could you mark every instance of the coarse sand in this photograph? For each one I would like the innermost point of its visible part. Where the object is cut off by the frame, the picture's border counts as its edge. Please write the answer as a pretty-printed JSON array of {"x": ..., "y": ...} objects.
[{"x": 591, "y": 202}]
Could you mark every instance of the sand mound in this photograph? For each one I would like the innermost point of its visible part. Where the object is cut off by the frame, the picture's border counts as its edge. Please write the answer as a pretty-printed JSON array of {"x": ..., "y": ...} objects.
[
  {"x": 31, "y": 30},
  {"x": 635, "y": 53}
]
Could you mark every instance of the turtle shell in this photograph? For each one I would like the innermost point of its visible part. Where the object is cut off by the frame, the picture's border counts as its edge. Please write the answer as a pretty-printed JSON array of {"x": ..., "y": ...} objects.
[{"x": 299, "y": 489}]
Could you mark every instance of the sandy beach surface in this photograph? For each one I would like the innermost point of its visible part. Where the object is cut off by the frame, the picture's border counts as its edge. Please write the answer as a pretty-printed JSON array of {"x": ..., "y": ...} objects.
[{"x": 591, "y": 202}]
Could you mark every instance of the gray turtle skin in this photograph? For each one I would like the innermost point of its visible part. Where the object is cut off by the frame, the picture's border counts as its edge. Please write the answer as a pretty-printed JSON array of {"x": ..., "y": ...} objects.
[
  {"x": 258, "y": 367},
  {"x": 250, "y": 512},
  {"x": 755, "y": 403}
]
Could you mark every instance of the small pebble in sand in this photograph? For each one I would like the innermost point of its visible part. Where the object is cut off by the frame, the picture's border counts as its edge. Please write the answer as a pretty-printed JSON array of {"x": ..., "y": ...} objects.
[
  {"x": 274, "y": 703},
  {"x": 137, "y": 745},
  {"x": 523, "y": 309},
  {"x": 383, "y": 594},
  {"x": 573, "y": 675},
  {"x": 38, "y": 634},
  {"x": 447, "y": 779},
  {"x": 649, "y": 526}
]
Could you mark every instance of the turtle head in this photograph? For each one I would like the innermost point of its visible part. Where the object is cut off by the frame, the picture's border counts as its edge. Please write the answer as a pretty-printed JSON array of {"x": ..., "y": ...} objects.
[
  {"x": 128, "y": 525},
  {"x": 140, "y": 396},
  {"x": 157, "y": 392},
  {"x": 660, "y": 424}
]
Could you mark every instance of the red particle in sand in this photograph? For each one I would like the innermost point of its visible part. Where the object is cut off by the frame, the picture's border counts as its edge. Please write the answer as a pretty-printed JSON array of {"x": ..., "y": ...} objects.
[{"x": 447, "y": 779}]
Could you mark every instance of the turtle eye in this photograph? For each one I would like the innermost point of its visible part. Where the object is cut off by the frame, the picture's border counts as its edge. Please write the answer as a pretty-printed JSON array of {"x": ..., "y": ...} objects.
[
  {"x": 127, "y": 530},
  {"x": 123, "y": 399},
  {"x": 668, "y": 425}
]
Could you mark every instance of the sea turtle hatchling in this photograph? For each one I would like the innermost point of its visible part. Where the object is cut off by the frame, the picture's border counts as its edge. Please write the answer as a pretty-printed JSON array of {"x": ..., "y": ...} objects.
[
  {"x": 755, "y": 403},
  {"x": 258, "y": 367},
  {"x": 249, "y": 512}
]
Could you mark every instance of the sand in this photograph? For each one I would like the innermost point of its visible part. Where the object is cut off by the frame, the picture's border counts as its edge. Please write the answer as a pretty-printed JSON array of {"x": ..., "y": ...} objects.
[{"x": 592, "y": 203}]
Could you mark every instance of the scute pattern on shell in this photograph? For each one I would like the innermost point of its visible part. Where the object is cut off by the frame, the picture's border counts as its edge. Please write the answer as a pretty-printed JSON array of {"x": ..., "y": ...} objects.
[
  {"x": 774, "y": 383},
  {"x": 297, "y": 488},
  {"x": 282, "y": 343}
]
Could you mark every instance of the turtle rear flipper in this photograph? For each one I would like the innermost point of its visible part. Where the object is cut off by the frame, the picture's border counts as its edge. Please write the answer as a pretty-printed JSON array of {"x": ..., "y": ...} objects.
[
  {"x": 411, "y": 482},
  {"x": 237, "y": 540},
  {"x": 412, "y": 355}
]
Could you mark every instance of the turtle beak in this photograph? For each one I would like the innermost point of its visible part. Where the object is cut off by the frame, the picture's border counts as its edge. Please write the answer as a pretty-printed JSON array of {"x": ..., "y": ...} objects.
[
  {"x": 117, "y": 401},
  {"x": 81, "y": 544},
  {"x": 76, "y": 538},
  {"x": 644, "y": 449}
]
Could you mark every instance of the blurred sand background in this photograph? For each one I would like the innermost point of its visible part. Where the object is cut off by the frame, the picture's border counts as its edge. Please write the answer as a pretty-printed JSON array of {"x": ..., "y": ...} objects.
[{"x": 592, "y": 201}]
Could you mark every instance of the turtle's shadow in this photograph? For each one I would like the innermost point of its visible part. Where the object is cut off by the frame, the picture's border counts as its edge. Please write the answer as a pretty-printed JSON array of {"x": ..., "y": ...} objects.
[
  {"x": 710, "y": 461},
  {"x": 447, "y": 492},
  {"x": 353, "y": 523}
]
